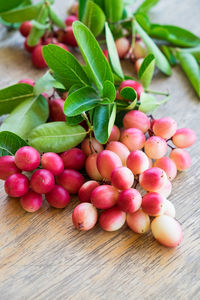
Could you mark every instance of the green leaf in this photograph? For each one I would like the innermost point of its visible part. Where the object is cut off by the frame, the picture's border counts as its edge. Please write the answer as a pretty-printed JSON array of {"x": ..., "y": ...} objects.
[
  {"x": 113, "y": 54},
  {"x": 66, "y": 67},
  {"x": 144, "y": 21},
  {"x": 128, "y": 93},
  {"x": 96, "y": 62},
  {"x": 8, "y": 5},
  {"x": 55, "y": 18},
  {"x": 40, "y": 26},
  {"x": 146, "y": 70},
  {"x": 161, "y": 60},
  {"x": 74, "y": 120},
  {"x": 169, "y": 53},
  {"x": 114, "y": 9},
  {"x": 45, "y": 83},
  {"x": 191, "y": 69},
  {"x": 13, "y": 95},
  {"x": 103, "y": 121},
  {"x": 149, "y": 103},
  {"x": 194, "y": 51},
  {"x": 146, "y": 6},
  {"x": 119, "y": 118},
  {"x": 109, "y": 91},
  {"x": 10, "y": 143},
  {"x": 27, "y": 115},
  {"x": 56, "y": 137},
  {"x": 81, "y": 8},
  {"x": 22, "y": 14},
  {"x": 94, "y": 18}
]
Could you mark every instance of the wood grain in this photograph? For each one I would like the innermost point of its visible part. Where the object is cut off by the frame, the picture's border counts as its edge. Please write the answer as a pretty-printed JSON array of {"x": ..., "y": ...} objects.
[{"x": 43, "y": 257}]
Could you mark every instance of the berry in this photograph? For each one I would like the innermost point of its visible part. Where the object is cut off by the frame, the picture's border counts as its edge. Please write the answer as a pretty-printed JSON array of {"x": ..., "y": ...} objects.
[
  {"x": 123, "y": 46},
  {"x": 133, "y": 84},
  {"x": 168, "y": 166},
  {"x": 31, "y": 201},
  {"x": 37, "y": 58},
  {"x": 71, "y": 180},
  {"x": 115, "y": 134},
  {"x": 30, "y": 48},
  {"x": 56, "y": 110},
  {"x": 140, "y": 49},
  {"x": 120, "y": 149},
  {"x": 90, "y": 146},
  {"x": 107, "y": 161},
  {"x": 27, "y": 158},
  {"x": 184, "y": 138},
  {"x": 91, "y": 167},
  {"x": 27, "y": 81},
  {"x": 165, "y": 127},
  {"x": 8, "y": 167},
  {"x": 112, "y": 219},
  {"x": 169, "y": 209},
  {"x": 52, "y": 162},
  {"x": 84, "y": 216},
  {"x": 25, "y": 28},
  {"x": 70, "y": 20},
  {"x": 166, "y": 189},
  {"x": 133, "y": 138},
  {"x": 137, "y": 162},
  {"x": 167, "y": 231},
  {"x": 138, "y": 221},
  {"x": 58, "y": 197},
  {"x": 86, "y": 189},
  {"x": 152, "y": 204},
  {"x": 73, "y": 159},
  {"x": 136, "y": 119},
  {"x": 122, "y": 178},
  {"x": 69, "y": 37},
  {"x": 152, "y": 179},
  {"x": 63, "y": 46},
  {"x": 181, "y": 158},
  {"x": 104, "y": 196},
  {"x": 155, "y": 147},
  {"x": 16, "y": 185},
  {"x": 129, "y": 200},
  {"x": 42, "y": 181}
]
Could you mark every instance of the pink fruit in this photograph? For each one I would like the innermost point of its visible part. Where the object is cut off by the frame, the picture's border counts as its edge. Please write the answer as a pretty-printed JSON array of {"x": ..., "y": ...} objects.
[
  {"x": 152, "y": 179},
  {"x": 169, "y": 209},
  {"x": 31, "y": 201},
  {"x": 37, "y": 58},
  {"x": 70, "y": 20},
  {"x": 184, "y": 138},
  {"x": 122, "y": 178},
  {"x": 133, "y": 84},
  {"x": 27, "y": 158},
  {"x": 120, "y": 149},
  {"x": 138, "y": 64},
  {"x": 8, "y": 167},
  {"x": 168, "y": 166},
  {"x": 42, "y": 181},
  {"x": 69, "y": 37},
  {"x": 152, "y": 204},
  {"x": 140, "y": 49},
  {"x": 90, "y": 146},
  {"x": 84, "y": 216},
  {"x": 16, "y": 185},
  {"x": 86, "y": 189},
  {"x": 138, "y": 221},
  {"x": 167, "y": 231},
  {"x": 166, "y": 189},
  {"x": 52, "y": 162},
  {"x": 136, "y": 119},
  {"x": 71, "y": 180},
  {"x": 133, "y": 138},
  {"x": 181, "y": 158},
  {"x": 107, "y": 161},
  {"x": 115, "y": 134},
  {"x": 73, "y": 159},
  {"x": 91, "y": 167},
  {"x": 123, "y": 46},
  {"x": 112, "y": 219},
  {"x": 27, "y": 81},
  {"x": 58, "y": 197},
  {"x": 25, "y": 28},
  {"x": 137, "y": 162},
  {"x": 165, "y": 127},
  {"x": 129, "y": 200},
  {"x": 104, "y": 196},
  {"x": 56, "y": 110},
  {"x": 155, "y": 147}
]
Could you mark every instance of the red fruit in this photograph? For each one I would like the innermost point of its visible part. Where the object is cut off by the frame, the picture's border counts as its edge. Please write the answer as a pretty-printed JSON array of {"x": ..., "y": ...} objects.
[
  {"x": 104, "y": 196},
  {"x": 90, "y": 146},
  {"x": 70, "y": 20},
  {"x": 133, "y": 84},
  {"x": 52, "y": 162},
  {"x": 61, "y": 45},
  {"x": 27, "y": 158},
  {"x": 129, "y": 200},
  {"x": 155, "y": 147},
  {"x": 91, "y": 167},
  {"x": 69, "y": 37},
  {"x": 105, "y": 52},
  {"x": 8, "y": 167},
  {"x": 56, "y": 110},
  {"x": 123, "y": 46},
  {"x": 152, "y": 204},
  {"x": 31, "y": 202},
  {"x": 107, "y": 161},
  {"x": 25, "y": 28},
  {"x": 42, "y": 181},
  {"x": 71, "y": 180},
  {"x": 165, "y": 127},
  {"x": 153, "y": 179},
  {"x": 181, "y": 158},
  {"x": 73, "y": 159},
  {"x": 136, "y": 119},
  {"x": 133, "y": 138},
  {"x": 168, "y": 165},
  {"x": 184, "y": 138},
  {"x": 37, "y": 58},
  {"x": 112, "y": 219},
  {"x": 120, "y": 149},
  {"x": 115, "y": 134},
  {"x": 58, "y": 197},
  {"x": 16, "y": 185},
  {"x": 137, "y": 162},
  {"x": 27, "y": 81},
  {"x": 84, "y": 216},
  {"x": 122, "y": 178},
  {"x": 138, "y": 221},
  {"x": 30, "y": 48},
  {"x": 86, "y": 190}
]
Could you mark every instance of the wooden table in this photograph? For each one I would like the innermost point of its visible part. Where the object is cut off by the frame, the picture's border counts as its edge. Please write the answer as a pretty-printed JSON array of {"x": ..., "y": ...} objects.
[{"x": 44, "y": 257}]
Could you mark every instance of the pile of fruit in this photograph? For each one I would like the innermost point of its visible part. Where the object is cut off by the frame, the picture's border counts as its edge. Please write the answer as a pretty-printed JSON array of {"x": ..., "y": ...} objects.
[{"x": 134, "y": 155}]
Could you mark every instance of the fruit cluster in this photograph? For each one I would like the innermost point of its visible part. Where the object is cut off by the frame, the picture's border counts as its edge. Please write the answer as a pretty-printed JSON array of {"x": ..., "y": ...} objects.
[{"x": 133, "y": 155}]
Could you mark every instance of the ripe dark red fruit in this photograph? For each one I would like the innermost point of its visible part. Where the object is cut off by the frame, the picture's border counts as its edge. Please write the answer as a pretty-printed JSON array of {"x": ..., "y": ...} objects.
[
  {"x": 42, "y": 181},
  {"x": 86, "y": 190},
  {"x": 8, "y": 167},
  {"x": 37, "y": 58},
  {"x": 112, "y": 219},
  {"x": 30, "y": 48},
  {"x": 16, "y": 185},
  {"x": 31, "y": 202},
  {"x": 70, "y": 20},
  {"x": 27, "y": 158},
  {"x": 73, "y": 159},
  {"x": 84, "y": 216},
  {"x": 52, "y": 162},
  {"x": 58, "y": 197},
  {"x": 56, "y": 110},
  {"x": 71, "y": 180},
  {"x": 69, "y": 37},
  {"x": 25, "y": 28}
]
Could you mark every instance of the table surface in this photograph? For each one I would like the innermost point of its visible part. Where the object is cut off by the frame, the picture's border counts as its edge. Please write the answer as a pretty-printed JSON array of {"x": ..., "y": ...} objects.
[{"x": 44, "y": 257}]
